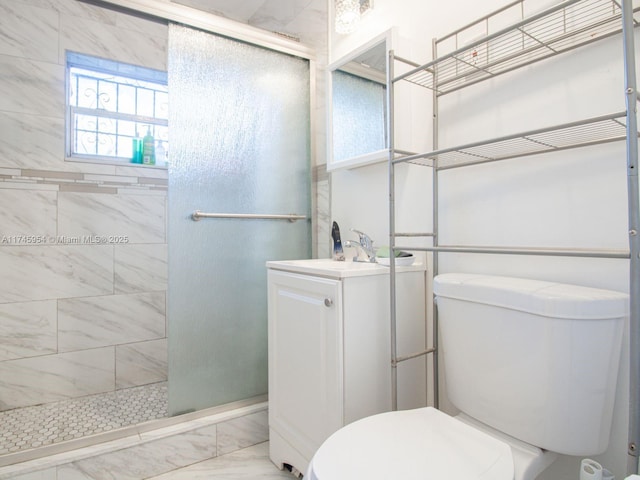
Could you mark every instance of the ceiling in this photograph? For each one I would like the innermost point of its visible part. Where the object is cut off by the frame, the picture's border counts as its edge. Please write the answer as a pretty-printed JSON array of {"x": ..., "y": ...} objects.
[{"x": 305, "y": 20}]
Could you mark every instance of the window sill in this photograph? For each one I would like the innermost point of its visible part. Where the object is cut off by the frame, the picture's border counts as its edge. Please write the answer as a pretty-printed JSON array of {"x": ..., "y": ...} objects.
[{"x": 111, "y": 161}]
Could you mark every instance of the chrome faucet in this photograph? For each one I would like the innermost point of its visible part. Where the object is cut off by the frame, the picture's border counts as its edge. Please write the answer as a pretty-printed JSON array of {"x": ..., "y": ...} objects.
[{"x": 365, "y": 244}]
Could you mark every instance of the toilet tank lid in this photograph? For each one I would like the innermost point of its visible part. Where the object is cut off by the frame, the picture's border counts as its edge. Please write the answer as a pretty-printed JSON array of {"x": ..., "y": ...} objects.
[{"x": 549, "y": 299}]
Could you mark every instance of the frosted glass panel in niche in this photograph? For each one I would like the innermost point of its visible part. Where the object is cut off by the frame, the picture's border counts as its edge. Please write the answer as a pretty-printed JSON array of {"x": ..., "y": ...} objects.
[{"x": 358, "y": 116}]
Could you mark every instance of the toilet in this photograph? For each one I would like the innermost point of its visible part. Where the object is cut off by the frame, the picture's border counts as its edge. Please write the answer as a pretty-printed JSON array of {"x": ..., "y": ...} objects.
[{"x": 530, "y": 365}]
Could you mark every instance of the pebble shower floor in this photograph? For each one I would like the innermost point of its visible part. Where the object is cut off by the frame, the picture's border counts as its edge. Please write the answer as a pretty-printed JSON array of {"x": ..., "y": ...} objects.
[{"x": 32, "y": 427}]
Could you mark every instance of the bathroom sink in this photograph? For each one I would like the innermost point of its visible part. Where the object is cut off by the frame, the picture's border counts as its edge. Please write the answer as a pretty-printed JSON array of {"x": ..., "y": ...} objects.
[
  {"x": 335, "y": 265},
  {"x": 331, "y": 268},
  {"x": 400, "y": 261}
]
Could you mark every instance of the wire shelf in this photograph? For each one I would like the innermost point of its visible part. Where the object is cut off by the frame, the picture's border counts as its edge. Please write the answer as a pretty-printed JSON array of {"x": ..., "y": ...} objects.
[
  {"x": 593, "y": 131},
  {"x": 542, "y": 251},
  {"x": 564, "y": 27}
]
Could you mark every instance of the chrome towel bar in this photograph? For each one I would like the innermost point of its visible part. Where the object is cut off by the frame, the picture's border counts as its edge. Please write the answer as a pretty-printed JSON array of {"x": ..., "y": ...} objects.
[{"x": 197, "y": 215}]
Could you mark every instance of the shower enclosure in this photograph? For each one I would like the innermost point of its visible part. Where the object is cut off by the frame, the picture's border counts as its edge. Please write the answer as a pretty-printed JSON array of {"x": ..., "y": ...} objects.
[
  {"x": 239, "y": 119},
  {"x": 239, "y": 132}
]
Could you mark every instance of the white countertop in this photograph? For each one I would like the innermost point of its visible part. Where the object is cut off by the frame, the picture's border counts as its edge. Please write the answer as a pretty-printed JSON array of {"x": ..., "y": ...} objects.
[{"x": 329, "y": 268}]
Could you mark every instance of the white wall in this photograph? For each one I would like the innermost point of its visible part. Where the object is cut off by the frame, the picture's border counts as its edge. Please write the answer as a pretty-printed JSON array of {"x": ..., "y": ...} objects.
[{"x": 571, "y": 199}]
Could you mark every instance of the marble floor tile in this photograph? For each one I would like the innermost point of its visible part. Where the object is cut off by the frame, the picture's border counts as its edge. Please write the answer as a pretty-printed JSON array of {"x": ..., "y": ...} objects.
[
  {"x": 148, "y": 459},
  {"x": 48, "y": 474},
  {"x": 251, "y": 463},
  {"x": 242, "y": 432}
]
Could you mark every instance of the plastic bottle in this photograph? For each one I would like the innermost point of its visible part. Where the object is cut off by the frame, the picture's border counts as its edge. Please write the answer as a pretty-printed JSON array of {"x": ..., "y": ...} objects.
[
  {"x": 161, "y": 155},
  {"x": 136, "y": 155},
  {"x": 148, "y": 149}
]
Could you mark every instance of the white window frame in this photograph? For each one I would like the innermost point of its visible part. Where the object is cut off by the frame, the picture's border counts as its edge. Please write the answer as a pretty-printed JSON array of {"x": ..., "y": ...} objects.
[{"x": 77, "y": 63}]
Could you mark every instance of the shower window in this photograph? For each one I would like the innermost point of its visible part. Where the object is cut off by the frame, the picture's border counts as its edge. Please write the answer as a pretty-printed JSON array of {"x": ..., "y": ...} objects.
[{"x": 109, "y": 104}]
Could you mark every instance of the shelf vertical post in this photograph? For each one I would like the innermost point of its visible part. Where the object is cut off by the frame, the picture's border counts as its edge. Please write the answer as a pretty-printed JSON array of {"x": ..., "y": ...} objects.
[
  {"x": 634, "y": 234},
  {"x": 434, "y": 268},
  {"x": 392, "y": 232}
]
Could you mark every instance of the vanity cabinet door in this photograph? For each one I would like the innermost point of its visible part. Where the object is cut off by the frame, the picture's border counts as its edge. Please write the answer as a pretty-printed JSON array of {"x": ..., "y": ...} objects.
[{"x": 305, "y": 358}]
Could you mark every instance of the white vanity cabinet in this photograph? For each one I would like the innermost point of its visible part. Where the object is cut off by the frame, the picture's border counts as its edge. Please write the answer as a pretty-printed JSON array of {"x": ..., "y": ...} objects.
[{"x": 329, "y": 349}]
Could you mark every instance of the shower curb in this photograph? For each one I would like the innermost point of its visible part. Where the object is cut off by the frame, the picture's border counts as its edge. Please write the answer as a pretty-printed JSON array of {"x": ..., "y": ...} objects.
[{"x": 80, "y": 450}]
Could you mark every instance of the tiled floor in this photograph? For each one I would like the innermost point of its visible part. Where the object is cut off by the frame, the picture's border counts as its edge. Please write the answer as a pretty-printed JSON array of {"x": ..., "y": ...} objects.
[
  {"x": 32, "y": 427},
  {"x": 230, "y": 445},
  {"x": 251, "y": 463},
  {"x": 246, "y": 464}
]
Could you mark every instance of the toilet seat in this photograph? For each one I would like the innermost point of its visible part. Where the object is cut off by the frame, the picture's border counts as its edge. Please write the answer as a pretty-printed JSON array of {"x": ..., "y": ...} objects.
[{"x": 423, "y": 443}]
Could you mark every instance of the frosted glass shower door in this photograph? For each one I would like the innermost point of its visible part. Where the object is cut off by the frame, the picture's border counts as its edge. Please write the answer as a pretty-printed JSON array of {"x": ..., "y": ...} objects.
[{"x": 239, "y": 126}]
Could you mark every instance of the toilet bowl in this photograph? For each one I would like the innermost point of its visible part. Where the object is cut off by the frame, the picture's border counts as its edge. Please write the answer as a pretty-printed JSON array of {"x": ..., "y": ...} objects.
[
  {"x": 531, "y": 366},
  {"x": 424, "y": 443}
]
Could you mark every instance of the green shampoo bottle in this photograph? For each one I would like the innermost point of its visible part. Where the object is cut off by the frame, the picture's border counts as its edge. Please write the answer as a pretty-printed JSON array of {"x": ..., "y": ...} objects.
[{"x": 148, "y": 149}]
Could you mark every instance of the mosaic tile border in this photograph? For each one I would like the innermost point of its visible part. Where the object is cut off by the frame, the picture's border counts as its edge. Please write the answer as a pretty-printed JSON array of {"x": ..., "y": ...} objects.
[{"x": 132, "y": 180}]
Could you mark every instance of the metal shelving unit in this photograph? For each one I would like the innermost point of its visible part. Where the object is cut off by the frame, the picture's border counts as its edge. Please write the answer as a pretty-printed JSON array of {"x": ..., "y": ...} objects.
[
  {"x": 593, "y": 131},
  {"x": 568, "y": 25},
  {"x": 559, "y": 29}
]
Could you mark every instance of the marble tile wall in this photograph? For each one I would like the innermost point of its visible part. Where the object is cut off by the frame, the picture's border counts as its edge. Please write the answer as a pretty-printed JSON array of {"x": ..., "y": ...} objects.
[
  {"x": 50, "y": 378},
  {"x": 322, "y": 193},
  {"x": 113, "y": 320},
  {"x": 141, "y": 363},
  {"x": 83, "y": 255},
  {"x": 28, "y": 329},
  {"x": 83, "y": 252},
  {"x": 321, "y": 178}
]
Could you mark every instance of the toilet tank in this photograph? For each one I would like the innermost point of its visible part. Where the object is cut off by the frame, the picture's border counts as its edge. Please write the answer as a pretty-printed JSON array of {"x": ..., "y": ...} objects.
[{"x": 536, "y": 360}]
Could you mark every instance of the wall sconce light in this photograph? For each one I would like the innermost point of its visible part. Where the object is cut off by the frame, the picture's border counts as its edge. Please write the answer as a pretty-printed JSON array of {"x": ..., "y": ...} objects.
[{"x": 347, "y": 14}]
